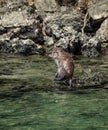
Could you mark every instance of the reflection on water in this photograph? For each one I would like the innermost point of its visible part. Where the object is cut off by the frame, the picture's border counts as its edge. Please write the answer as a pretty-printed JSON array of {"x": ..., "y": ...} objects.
[{"x": 22, "y": 107}]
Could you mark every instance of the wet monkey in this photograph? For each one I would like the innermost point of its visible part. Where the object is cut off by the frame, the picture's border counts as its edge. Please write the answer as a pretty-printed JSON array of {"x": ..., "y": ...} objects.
[{"x": 64, "y": 64}]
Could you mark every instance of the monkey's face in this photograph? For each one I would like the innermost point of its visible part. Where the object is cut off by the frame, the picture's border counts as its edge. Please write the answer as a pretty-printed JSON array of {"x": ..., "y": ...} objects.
[{"x": 56, "y": 53}]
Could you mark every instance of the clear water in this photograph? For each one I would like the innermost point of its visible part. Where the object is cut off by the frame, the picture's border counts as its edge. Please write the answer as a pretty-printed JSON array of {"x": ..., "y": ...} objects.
[{"x": 22, "y": 107}]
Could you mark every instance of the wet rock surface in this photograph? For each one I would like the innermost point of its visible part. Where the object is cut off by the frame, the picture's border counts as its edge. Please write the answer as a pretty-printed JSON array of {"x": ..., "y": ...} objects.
[{"x": 87, "y": 79}]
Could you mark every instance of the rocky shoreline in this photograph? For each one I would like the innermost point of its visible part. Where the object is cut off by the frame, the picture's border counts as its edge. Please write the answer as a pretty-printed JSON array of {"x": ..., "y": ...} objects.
[{"x": 26, "y": 26}]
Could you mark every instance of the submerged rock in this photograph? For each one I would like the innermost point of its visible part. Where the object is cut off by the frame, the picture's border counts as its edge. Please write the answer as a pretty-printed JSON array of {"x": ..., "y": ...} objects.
[{"x": 86, "y": 79}]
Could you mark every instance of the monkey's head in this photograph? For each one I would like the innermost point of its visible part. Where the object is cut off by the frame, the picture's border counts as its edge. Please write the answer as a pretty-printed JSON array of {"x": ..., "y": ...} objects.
[{"x": 57, "y": 51}]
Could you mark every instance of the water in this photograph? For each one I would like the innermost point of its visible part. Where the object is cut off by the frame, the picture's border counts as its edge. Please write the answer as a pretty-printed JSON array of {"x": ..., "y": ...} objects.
[{"x": 24, "y": 107}]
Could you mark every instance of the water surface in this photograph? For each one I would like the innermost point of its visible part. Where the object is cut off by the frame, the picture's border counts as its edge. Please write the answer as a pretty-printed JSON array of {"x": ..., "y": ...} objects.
[{"x": 24, "y": 107}]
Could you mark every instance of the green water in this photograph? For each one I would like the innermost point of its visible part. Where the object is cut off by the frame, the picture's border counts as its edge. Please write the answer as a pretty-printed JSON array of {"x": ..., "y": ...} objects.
[{"x": 24, "y": 107}]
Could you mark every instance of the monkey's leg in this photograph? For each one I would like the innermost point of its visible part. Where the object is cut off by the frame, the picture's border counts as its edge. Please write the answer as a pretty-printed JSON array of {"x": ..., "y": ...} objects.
[{"x": 70, "y": 83}]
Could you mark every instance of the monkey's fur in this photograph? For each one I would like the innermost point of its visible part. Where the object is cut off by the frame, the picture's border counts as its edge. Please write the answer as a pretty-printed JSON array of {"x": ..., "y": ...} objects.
[{"x": 64, "y": 63}]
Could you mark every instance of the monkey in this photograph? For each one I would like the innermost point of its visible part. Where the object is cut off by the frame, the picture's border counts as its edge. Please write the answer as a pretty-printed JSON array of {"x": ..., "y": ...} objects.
[{"x": 64, "y": 64}]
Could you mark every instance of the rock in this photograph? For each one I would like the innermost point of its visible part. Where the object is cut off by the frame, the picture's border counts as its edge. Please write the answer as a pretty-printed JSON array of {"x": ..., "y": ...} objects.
[
  {"x": 21, "y": 29},
  {"x": 16, "y": 19},
  {"x": 3, "y": 3},
  {"x": 49, "y": 41},
  {"x": 33, "y": 32},
  {"x": 91, "y": 47},
  {"x": 46, "y": 6},
  {"x": 17, "y": 13},
  {"x": 83, "y": 4},
  {"x": 55, "y": 23},
  {"x": 88, "y": 78},
  {"x": 102, "y": 32},
  {"x": 98, "y": 9},
  {"x": 63, "y": 31},
  {"x": 22, "y": 47},
  {"x": 3, "y": 30},
  {"x": 66, "y": 2}
]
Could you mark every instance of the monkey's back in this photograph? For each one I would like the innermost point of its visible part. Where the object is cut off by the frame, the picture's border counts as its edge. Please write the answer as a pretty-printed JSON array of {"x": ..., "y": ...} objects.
[{"x": 67, "y": 62}]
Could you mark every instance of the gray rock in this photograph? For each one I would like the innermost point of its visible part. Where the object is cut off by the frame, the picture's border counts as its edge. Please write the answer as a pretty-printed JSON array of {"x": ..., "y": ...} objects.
[
  {"x": 91, "y": 46},
  {"x": 15, "y": 19},
  {"x": 22, "y": 47},
  {"x": 33, "y": 32},
  {"x": 88, "y": 78},
  {"x": 46, "y": 6},
  {"x": 64, "y": 30},
  {"x": 49, "y": 41},
  {"x": 82, "y": 4},
  {"x": 98, "y": 9},
  {"x": 90, "y": 50},
  {"x": 102, "y": 32}
]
